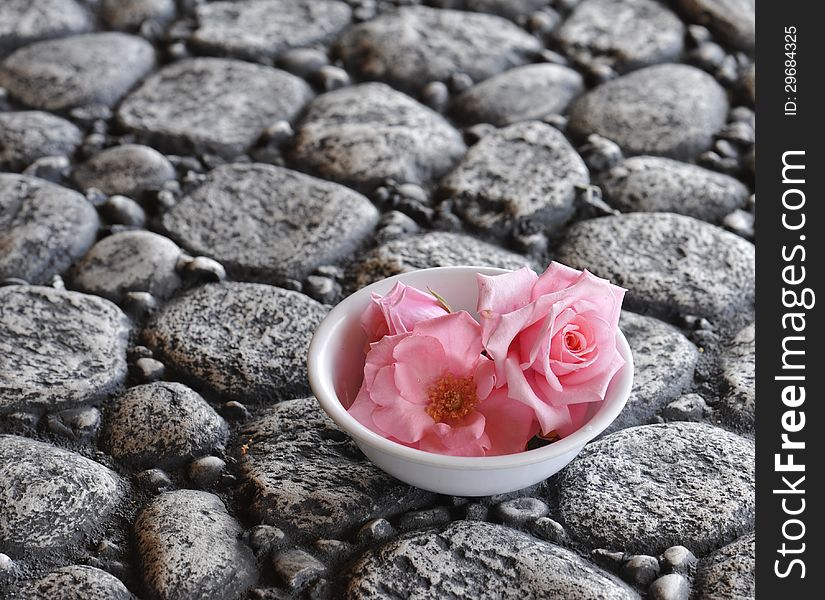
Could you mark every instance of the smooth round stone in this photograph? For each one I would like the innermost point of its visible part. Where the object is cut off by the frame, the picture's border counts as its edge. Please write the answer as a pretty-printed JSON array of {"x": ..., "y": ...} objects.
[
  {"x": 472, "y": 559},
  {"x": 664, "y": 362},
  {"x": 309, "y": 478},
  {"x": 732, "y": 20},
  {"x": 130, "y": 170},
  {"x": 655, "y": 184},
  {"x": 520, "y": 94},
  {"x": 25, "y": 21},
  {"x": 436, "y": 249},
  {"x": 647, "y": 488},
  {"x": 28, "y": 135},
  {"x": 672, "y": 264},
  {"x": 296, "y": 568},
  {"x": 211, "y": 105},
  {"x": 738, "y": 405},
  {"x": 129, "y": 261},
  {"x": 130, "y": 14},
  {"x": 266, "y": 28},
  {"x": 161, "y": 424},
  {"x": 366, "y": 133},
  {"x": 268, "y": 223},
  {"x": 665, "y": 110},
  {"x": 521, "y": 177},
  {"x": 189, "y": 548},
  {"x": 244, "y": 340},
  {"x": 43, "y": 228},
  {"x": 415, "y": 45},
  {"x": 76, "y": 582},
  {"x": 730, "y": 572},
  {"x": 672, "y": 586},
  {"x": 519, "y": 512},
  {"x": 95, "y": 68},
  {"x": 624, "y": 35},
  {"x": 58, "y": 349},
  {"x": 51, "y": 498},
  {"x": 511, "y": 9}
]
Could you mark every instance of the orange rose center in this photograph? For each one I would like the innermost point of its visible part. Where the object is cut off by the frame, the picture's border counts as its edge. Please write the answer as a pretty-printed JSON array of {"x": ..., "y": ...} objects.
[{"x": 452, "y": 398}]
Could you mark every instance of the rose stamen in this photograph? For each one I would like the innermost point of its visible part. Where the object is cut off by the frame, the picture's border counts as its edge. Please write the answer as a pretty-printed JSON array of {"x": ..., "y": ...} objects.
[{"x": 452, "y": 398}]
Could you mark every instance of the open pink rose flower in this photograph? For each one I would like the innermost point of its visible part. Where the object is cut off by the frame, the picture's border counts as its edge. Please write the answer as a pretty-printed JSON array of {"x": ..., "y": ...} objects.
[
  {"x": 552, "y": 339},
  {"x": 432, "y": 388},
  {"x": 398, "y": 312}
]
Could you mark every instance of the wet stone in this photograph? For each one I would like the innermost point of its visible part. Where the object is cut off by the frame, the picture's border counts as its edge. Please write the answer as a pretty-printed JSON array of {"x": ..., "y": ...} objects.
[
  {"x": 427, "y": 250},
  {"x": 97, "y": 68},
  {"x": 419, "y": 44},
  {"x": 129, "y": 170},
  {"x": 655, "y": 184},
  {"x": 673, "y": 264},
  {"x": 189, "y": 548},
  {"x": 367, "y": 133},
  {"x": 129, "y": 261},
  {"x": 665, "y": 110},
  {"x": 471, "y": 559},
  {"x": 25, "y": 21},
  {"x": 266, "y": 28},
  {"x": 624, "y": 35},
  {"x": 76, "y": 582},
  {"x": 729, "y": 573},
  {"x": 243, "y": 340},
  {"x": 519, "y": 178},
  {"x": 678, "y": 559},
  {"x": 310, "y": 479},
  {"x": 664, "y": 362},
  {"x": 669, "y": 587},
  {"x": 738, "y": 405},
  {"x": 211, "y": 105},
  {"x": 58, "y": 349},
  {"x": 43, "y": 228},
  {"x": 269, "y": 223},
  {"x": 51, "y": 498},
  {"x": 29, "y": 135},
  {"x": 161, "y": 424},
  {"x": 732, "y": 20},
  {"x": 640, "y": 570},
  {"x": 520, "y": 94},
  {"x": 131, "y": 14},
  {"x": 647, "y": 488}
]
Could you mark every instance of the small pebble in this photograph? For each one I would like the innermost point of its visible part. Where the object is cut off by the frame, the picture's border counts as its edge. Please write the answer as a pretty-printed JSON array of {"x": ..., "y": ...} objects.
[
  {"x": 739, "y": 132},
  {"x": 421, "y": 519},
  {"x": 124, "y": 211},
  {"x": 79, "y": 423},
  {"x": 669, "y": 587},
  {"x": 303, "y": 62},
  {"x": 709, "y": 55},
  {"x": 205, "y": 472},
  {"x": 600, "y": 153},
  {"x": 50, "y": 168},
  {"x": 296, "y": 568},
  {"x": 374, "y": 531},
  {"x": 150, "y": 369},
  {"x": 607, "y": 559},
  {"x": 108, "y": 549},
  {"x": 155, "y": 480},
  {"x": 740, "y": 222},
  {"x": 678, "y": 559},
  {"x": 550, "y": 530},
  {"x": 519, "y": 512},
  {"x": 235, "y": 411},
  {"x": 698, "y": 34},
  {"x": 690, "y": 407},
  {"x": 331, "y": 78},
  {"x": 640, "y": 570},
  {"x": 543, "y": 22},
  {"x": 266, "y": 538},
  {"x": 324, "y": 289},
  {"x": 205, "y": 269},
  {"x": 436, "y": 95},
  {"x": 460, "y": 82},
  {"x": 6, "y": 563},
  {"x": 139, "y": 304},
  {"x": 332, "y": 550}
]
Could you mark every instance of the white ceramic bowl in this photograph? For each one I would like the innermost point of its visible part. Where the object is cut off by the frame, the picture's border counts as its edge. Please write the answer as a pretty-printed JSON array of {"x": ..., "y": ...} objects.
[{"x": 336, "y": 361}]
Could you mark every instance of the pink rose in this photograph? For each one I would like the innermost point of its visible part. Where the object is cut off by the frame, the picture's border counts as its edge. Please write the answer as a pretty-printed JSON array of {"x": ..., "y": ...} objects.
[
  {"x": 553, "y": 340},
  {"x": 431, "y": 388},
  {"x": 398, "y": 312}
]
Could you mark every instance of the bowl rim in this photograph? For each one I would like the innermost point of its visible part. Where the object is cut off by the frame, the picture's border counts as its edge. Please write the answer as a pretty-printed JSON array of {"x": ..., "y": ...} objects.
[{"x": 324, "y": 391}]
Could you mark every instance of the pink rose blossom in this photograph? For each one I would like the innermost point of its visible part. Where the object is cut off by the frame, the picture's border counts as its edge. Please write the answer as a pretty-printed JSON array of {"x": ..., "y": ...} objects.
[
  {"x": 398, "y": 312},
  {"x": 432, "y": 388},
  {"x": 552, "y": 339}
]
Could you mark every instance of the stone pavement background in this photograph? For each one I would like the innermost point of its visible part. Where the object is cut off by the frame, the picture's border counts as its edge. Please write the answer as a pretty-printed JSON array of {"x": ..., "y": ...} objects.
[{"x": 188, "y": 186}]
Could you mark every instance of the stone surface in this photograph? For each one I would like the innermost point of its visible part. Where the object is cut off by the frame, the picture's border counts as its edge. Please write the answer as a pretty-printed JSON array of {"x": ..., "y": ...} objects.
[
  {"x": 267, "y": 28},
  {"x": 624, "y": 35},
  {"x": 268, "y": 223},
  {"x": 732, "y": 20},
  {"x": 129, "y": 261},
  {"x": 129, "y": 170},
  {"x": 475, "y": 560},
  {"x": 419, "y": 44},
  {"x": 131, "y": 14},
  {"x": 89, "y": 69},
  {"x": 647, "y": 488},
  {"x": 26, "y": 21},
  {"x": 669, "y": 587},
  {"x": 76, "y": 582},
  {"x": 51, "y": 498},
  {"x": 309, "y": 478},
  {"x": 519, "y": 178},
  {"x": 189, "y": 548},
  {"x": 43, "y": 228},
  {"x": 366, "y": 133},
  {"x": 520, "y": 94},
  {"x": 665, "y": 110},
  {"x": 512, "y": 9},
  {"x": 211, "y": 105},
  {"x": 437, "y": 249},
  {"x": 26, "y": 136},
  {"x": 655, "y": 184},
  {"x": 729, "y": 573},
  {"x": 58, "y": 349},
  {"x": 738, "y": 405},
  {"x": 243, "y": 340},
  {"x": 671, "y": 264},
  {"x": 161, "y": 424}
]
